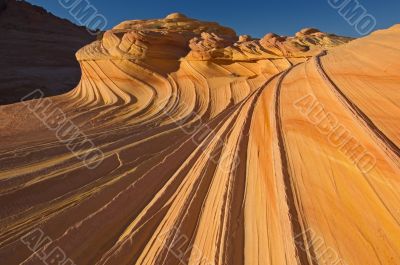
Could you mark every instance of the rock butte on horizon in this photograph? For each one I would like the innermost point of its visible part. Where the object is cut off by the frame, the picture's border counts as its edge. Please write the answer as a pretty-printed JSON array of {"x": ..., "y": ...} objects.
[
  {"x": 217, "y": 150},
  {"x": 37, "y": 52}
]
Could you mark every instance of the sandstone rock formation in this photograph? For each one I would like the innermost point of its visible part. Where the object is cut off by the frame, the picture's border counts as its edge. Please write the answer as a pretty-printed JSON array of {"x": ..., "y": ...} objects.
[
  {"x": 217, "y": 150},
  {"x": 37, "y": 51},
  {"x": 178, "y": 37}
]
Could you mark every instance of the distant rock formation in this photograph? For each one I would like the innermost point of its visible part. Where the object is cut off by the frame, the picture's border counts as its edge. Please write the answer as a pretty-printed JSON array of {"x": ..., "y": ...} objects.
[
  {"x": 3, "y": 4},
  {"x": 37, "y": 51}
]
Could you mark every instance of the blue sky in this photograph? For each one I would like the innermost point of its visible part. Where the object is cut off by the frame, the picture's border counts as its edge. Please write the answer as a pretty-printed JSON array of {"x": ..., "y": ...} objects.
[{"x": 256, "y": 17}]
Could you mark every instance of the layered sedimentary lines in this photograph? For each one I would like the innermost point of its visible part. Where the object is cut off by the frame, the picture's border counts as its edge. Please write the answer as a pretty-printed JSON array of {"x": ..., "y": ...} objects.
[
  {"x": 37, "y": 51},
  {"x": 218, "y": 149}
]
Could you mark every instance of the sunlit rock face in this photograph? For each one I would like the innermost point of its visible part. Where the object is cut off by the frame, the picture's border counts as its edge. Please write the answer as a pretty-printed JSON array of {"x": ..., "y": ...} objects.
[
  {"x": 218, "y": 149},
  {"x": 178, "y": 37},
  {"x": 166, "y": 38}
]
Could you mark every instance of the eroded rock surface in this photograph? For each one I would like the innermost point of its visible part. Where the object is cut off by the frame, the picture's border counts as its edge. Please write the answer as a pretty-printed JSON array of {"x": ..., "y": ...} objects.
[{"x": 218, "y": 149}]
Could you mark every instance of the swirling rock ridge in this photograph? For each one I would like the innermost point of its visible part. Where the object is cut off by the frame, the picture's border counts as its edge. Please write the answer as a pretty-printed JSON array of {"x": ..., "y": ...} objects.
[{"x": 218, "y": 149}]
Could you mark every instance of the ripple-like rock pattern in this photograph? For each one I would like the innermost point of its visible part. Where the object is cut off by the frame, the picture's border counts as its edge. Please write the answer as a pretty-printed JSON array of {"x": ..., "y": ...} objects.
[{"x": 218, "y": 149}]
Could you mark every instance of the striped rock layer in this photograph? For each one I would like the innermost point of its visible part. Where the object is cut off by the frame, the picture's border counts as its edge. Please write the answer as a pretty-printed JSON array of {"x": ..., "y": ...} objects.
[{"x": 218, "y": 149}]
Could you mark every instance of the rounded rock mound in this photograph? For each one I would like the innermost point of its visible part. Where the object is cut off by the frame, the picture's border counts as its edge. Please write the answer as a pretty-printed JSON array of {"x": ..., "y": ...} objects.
[
  {"x": 307, "y": 31},
  {"x": 175, "y": 16}
]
